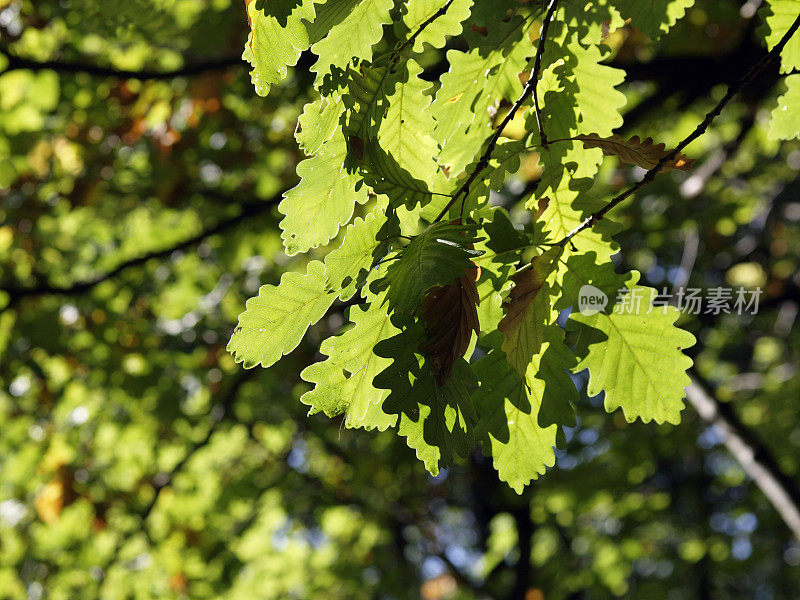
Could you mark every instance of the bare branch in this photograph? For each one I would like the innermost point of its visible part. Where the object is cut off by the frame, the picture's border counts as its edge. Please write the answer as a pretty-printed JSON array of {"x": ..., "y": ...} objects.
[
  {"x": 751, "y": 453},
  {"x": 733, "y": 90}
]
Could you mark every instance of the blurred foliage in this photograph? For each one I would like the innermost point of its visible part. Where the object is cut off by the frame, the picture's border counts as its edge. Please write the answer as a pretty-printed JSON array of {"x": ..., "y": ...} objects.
[{"x": 138, "y": 461}]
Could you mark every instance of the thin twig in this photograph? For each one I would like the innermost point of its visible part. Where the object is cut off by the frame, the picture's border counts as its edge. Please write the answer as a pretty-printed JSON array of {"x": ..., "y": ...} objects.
[
  {"x": 428, "y": 21},
  {"x": 537, "y": 67},
  {"x": 530, "y": 88},
  {"x": 733, "y": 90}
]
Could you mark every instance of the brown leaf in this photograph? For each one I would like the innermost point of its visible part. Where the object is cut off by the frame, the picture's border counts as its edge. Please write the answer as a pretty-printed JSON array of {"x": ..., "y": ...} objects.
[
  {"x": 519, "y": 344},
  {"x": 450, "y": 314},
  {"x": 527, "y": 285},
  {"x": 642, "y": 153}
]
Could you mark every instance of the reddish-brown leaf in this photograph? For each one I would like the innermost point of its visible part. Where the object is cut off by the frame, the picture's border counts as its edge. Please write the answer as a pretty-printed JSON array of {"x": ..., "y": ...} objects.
[
  {"x": 523, "y": 332},
  {"x": 643, "y": 153},
  {"x": 450, "y": 314}
]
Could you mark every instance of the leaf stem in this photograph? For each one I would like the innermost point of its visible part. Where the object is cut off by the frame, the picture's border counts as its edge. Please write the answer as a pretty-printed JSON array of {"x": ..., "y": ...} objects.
[
  {"x": 428, "y": 21},
  {"x": 733, "y": 90}
]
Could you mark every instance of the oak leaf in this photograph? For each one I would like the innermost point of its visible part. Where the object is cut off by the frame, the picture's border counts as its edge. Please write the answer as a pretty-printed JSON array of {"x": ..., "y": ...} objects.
[
  {"x": 642, "y": 153},
  {"x": 528, "y": 311},
  {"x": 450, "y": 314}
]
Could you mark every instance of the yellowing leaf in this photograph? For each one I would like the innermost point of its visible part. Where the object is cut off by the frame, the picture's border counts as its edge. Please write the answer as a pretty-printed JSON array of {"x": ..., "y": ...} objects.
[{"x": 642, "y": 153}]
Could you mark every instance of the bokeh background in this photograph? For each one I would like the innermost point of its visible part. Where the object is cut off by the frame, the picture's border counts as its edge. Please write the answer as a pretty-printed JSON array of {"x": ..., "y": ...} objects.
[{"x": 139, "y": 178}]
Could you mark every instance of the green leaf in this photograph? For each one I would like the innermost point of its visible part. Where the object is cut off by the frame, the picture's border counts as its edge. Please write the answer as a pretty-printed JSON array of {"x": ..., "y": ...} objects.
[
  {"x": 275, "y": 321},
  {"x": 343, "y": 382},
  {"x": 277, "y": 37},
  {"x": 356, "y": 255},
  {"x": 437, "y": 421},
  {"x": 636, "y": 357},
  {"x": 318, "y": 123},
  {"x": 437, "y": 256},
  {"x": 653, "y": 17},
  {"x": 473, "y": 88},
  {"x": 785, "y": 122},
  {"x": 389, "y": 115},
  {"x": 418, "y": 12},
  {"x": 404, "y": 131},
  {"x": 596, "y": 97},
  {"x": 323, "y": 201},
  {"x": 778, "y": 16},
  {"x": 521, "y": 419},
  {"x": 350, "y": 28}
]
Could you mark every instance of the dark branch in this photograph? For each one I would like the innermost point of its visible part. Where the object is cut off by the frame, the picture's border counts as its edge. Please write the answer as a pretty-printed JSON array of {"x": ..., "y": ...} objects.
[
  {"x": 530, "y": 88},
  {"x": 16, "y": 63},
  {"x": 248, "y": 210},
  {"x": 733, "y": 90}
]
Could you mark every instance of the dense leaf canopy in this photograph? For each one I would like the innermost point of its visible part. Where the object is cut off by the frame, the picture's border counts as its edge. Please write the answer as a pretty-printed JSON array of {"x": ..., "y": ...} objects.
[{"x": 293, "y": 299}]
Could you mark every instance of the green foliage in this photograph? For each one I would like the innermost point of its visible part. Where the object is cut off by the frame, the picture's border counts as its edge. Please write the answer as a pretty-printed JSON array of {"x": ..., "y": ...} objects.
[
  {"x": 140, "y": 184},
  {"x": 378, "y": 128},
  {"x": 277, "y": 37},
  {"x": 324, "y": 199},
  {"x": 636, "y": 356},
  {"x": 437, "y": 256},
  {"x": 778, "y": 18},
  {"x": 343, "y": 382},
  {"x": 523, "y": 416},
  {"x": 653, "y": 17}
]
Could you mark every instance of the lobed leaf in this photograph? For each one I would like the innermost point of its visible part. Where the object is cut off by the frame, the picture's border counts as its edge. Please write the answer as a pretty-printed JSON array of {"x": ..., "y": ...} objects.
[
  {"x": 277, "y": 37},
  {"x": 778, "y": 16},
  {"x": 347, "y": 30},
  {"x": 323, "y": 201},
  {"x": 785, "y": 121},
  {"x": 275, "y": 321},
  {"x": 436, "y": 420},
  {"x": 653, "y": 17},
  {"x": 343, "y": 382},
  {"x": 642, "y": 153},
  {"x": 521, "y": 416},
  {"x": 636, "y": 358},
  {"x": 345, "y": 264},
  {"x": 439, "y": 255},
  {"x": 528, "y": 311},
  {"x": 419, "y": 12}
]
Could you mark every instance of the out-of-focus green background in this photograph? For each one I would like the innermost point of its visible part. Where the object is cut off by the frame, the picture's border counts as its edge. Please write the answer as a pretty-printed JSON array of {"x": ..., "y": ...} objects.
[{"x": 138, "y": 461}]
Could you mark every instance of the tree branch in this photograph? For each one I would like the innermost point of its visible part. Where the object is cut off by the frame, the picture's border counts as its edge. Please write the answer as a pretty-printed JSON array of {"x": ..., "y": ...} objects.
[
  {"x": 248, "y": 210},
  {"x": 16, "y": 63},
  {"x": 751, "y": 453},
  {"x": 530, "y": 88},
  {"x": 733, "y": 90}
]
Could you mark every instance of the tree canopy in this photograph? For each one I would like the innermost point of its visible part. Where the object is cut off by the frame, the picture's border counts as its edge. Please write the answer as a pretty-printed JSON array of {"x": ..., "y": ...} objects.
[{"x": 399, "y": 299}]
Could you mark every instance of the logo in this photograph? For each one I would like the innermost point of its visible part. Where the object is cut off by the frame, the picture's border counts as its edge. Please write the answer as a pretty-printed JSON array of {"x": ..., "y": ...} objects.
[{"x": 591, "y": 300}]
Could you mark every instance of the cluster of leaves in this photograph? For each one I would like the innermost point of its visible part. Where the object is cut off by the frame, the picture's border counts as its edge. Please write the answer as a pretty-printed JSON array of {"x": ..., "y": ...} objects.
[{"x": 455, "y": 336}]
